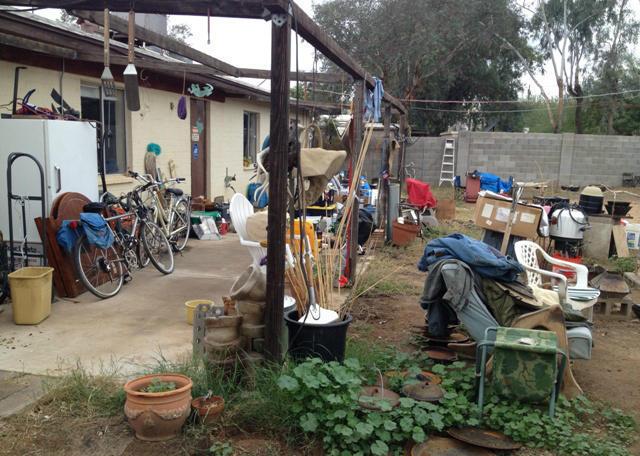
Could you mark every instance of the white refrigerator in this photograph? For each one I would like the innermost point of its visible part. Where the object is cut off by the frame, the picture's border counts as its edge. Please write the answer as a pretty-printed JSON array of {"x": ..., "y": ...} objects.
[{"x": 67, "y": 151}]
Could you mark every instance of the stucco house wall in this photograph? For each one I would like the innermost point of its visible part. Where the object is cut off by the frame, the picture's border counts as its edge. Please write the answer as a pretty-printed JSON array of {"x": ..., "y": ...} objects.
[{"x": 157, "y": 122}]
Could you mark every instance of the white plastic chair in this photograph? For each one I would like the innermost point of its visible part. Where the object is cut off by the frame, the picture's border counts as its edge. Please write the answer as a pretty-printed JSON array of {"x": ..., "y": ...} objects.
[
  {"x": 240, "y": 209},
  {"x": 580, "y": 297}
]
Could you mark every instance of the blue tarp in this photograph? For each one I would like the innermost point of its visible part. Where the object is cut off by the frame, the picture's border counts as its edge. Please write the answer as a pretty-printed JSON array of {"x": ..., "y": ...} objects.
[
  {"x": 94, "y": 227},
  {"x": 482, "y": 258},
  {"x": 494, "y": 183}
]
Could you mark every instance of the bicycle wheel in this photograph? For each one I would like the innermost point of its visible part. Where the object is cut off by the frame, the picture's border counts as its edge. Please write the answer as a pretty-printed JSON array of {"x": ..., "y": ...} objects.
[
  {"x": 143, "y": 258},
  {"x": 157, "y": 247},
  {"x": 181, "y": 224},
  {"x": 100, "y": 270}
]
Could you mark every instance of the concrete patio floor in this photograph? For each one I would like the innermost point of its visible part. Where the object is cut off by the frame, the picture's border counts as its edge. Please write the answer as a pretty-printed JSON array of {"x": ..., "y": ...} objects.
[{"x": 144, "y": 320}]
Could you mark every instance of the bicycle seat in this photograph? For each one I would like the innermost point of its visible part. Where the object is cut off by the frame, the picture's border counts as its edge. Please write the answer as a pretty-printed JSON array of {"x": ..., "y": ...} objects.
[
  {"x": 175, "y": 191},
  {"x": 94, "y": 207}
]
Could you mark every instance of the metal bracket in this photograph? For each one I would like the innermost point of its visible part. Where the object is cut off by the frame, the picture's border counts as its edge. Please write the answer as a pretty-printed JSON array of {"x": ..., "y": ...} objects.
[{"x": 279, "y": 19}]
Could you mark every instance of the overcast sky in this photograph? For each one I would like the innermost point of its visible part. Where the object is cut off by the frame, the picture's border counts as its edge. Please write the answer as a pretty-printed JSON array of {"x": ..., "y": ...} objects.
[{"x": 247, "y": 43}]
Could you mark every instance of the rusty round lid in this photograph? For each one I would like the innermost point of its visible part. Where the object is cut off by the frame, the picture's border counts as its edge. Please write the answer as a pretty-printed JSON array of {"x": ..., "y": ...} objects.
[
  {"x": 370, "y": 397},
  {"x": 423, "y": 392},
  {"x": 444, "y": 446},
  {"x": 486, "y": 438},
  {"x": 441, "y": 354}
]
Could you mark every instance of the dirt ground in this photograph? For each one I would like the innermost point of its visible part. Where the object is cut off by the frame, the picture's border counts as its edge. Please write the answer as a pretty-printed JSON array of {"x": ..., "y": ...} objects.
[{"x": 612, "y": 375}]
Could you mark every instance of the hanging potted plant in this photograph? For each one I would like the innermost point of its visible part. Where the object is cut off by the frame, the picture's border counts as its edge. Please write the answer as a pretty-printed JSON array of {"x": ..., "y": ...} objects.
[{"x": 158, "y": 405}]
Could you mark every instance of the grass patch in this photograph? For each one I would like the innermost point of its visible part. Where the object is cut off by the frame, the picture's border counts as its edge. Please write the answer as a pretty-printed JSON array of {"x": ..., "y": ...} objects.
[{"x": 80, "y": 394}]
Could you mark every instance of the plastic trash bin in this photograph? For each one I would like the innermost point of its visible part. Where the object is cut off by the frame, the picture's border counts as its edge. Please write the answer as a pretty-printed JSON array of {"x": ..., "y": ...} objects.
[{"x": 30, "y": 294}]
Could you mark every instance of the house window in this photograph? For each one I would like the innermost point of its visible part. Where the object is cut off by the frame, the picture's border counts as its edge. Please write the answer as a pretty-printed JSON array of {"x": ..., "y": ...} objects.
[
  {"x": 115, "y": 149},
  {"x": 250, "y": 138}
]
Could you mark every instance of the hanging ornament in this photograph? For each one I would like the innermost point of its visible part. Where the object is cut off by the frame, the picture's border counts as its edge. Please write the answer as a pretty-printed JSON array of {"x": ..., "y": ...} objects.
[{"x": 200, "y": 92}]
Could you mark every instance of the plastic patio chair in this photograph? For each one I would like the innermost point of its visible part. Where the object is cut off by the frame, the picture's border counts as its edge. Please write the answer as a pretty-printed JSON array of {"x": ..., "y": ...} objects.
[
  {"x": 580, "y": 297},
  {"x": 240, "y": 209}
]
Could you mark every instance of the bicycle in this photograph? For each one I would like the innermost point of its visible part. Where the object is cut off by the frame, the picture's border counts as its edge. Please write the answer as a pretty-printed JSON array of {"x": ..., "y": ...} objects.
[
  {"x": 170, "y": 210},
  {"x": 103, "y": 271}
]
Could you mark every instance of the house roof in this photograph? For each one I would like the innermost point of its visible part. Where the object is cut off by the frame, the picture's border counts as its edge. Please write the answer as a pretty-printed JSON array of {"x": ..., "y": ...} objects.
[{"x": 35, "y": 33}]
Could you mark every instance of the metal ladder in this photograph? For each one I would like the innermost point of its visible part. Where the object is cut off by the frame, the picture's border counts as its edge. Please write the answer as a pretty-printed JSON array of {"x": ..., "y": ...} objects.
[{"x": 448, "y": 168}]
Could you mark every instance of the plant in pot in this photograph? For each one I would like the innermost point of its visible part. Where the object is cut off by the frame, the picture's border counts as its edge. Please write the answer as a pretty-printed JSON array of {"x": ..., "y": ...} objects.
[
  {"x": 208, "y": 408},
  {"x": 624, "y": 264},
  {"x": 157, "y": 405}
]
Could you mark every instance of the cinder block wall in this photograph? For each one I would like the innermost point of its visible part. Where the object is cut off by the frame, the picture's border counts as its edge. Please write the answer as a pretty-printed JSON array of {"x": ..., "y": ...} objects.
[{"x": 567, "y": 159}]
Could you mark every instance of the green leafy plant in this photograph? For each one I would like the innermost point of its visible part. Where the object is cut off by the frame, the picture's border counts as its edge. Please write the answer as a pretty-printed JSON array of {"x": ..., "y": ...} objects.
[
  {"x": 159, "y": 386},
  {"x": 221, "y": 449},
  {"x": 325, "y": 400},
  {"x": 624, "y": 264}
]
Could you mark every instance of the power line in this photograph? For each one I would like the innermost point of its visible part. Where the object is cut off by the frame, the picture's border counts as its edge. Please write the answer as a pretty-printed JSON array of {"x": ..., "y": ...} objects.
[
  {"x": 502, "y": 111},
  {"x": 514, "y": 101}
]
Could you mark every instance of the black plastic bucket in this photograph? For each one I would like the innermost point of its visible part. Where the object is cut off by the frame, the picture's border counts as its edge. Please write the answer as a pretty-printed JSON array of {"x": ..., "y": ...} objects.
[{"x": 326, "y": 342}]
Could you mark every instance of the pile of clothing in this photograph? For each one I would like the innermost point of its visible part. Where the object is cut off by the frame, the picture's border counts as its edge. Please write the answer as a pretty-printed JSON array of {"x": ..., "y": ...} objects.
[{"x": 471, "y": 282}]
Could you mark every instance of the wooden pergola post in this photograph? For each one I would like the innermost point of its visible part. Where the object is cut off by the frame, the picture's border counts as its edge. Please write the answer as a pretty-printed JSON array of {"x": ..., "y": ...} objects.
[
  {"x": 278, "y": 152},
  {"x": 384, "y": 181},
  {"x": 401, "y": 160},
  {"x": 358, "y": 101}
]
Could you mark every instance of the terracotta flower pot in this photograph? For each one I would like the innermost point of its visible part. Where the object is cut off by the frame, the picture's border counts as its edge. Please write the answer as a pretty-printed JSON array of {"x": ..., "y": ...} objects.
[
  {"x": 208, "y": 409},
  {"x": 158, "y": 416},
  {"x": 223, "y": 329}
]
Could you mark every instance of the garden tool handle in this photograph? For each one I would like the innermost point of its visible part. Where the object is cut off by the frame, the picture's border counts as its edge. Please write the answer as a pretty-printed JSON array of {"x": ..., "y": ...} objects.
[
  {"x": 132, "y": 30},
  {"x": 106, "y": 37}
]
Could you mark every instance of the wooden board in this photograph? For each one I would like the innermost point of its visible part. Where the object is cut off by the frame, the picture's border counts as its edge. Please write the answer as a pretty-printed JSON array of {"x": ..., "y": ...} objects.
[
  {"x": 65, "y": 280},
  {"x": 598, "y": 238},
  {"x": 620, "y": 240}
]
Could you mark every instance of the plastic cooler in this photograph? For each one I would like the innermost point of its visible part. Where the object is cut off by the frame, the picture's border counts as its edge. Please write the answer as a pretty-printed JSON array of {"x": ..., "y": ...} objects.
[{"x": 30, "y": 294}]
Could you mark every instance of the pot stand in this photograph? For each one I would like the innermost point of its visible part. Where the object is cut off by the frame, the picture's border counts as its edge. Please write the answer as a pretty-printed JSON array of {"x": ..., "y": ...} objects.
[{"x": 202, "y": 312}]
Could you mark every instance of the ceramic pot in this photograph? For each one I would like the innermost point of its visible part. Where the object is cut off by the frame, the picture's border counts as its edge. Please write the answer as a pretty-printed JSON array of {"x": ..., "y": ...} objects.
[
  {"x": 251, "y": 285},
  {"x": 223, "y": 329},
  {"x": 219, "y": 351},
  {"x": 252, "y": 331},
  {"x": 208, "y": 409},
  {"x": 158, "y": 416},
  {"x": 251, "y": 311}
]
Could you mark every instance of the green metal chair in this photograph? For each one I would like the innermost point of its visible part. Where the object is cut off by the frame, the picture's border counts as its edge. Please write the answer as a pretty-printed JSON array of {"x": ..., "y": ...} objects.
[{"x": 525, "y": 365}]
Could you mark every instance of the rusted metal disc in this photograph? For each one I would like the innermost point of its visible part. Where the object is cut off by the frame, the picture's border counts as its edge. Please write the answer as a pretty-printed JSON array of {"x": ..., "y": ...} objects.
[
  {"x": 485, "y": 438},
  {"x": 423, "y": 376},
  {"x": 443, "y": 446},
  {"x": 380, "y": 393},
  {"x": 453, "y": 338},
  {"x": 441, "y": 354},
  {"x": 423, "y": 392}
]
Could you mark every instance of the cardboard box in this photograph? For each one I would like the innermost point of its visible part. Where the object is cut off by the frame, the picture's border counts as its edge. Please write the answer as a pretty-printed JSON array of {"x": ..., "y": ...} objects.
[{"x": 493, "y": 214}]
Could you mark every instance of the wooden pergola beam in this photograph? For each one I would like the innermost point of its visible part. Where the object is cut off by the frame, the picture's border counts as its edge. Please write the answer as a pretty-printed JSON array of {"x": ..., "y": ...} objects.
[
  {"x": 245, "y": 9},
  {"x": 162, "y": 41},
  {"x": 302, "y": 76},
  {"x": 249, "y": 9},
  {"x": 37, "y": 46}
]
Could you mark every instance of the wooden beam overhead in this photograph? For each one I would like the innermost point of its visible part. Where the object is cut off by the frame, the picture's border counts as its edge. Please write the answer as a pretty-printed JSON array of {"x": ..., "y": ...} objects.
[
  {"x": 250, "y": 9},
  {"x": 165, "y": 42},
  {"x": 37, "y": 46},
  {"x": 317, "y": 37},
  {"x": 303, "y": 76},
  {"x": 246, "y": 9}
]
